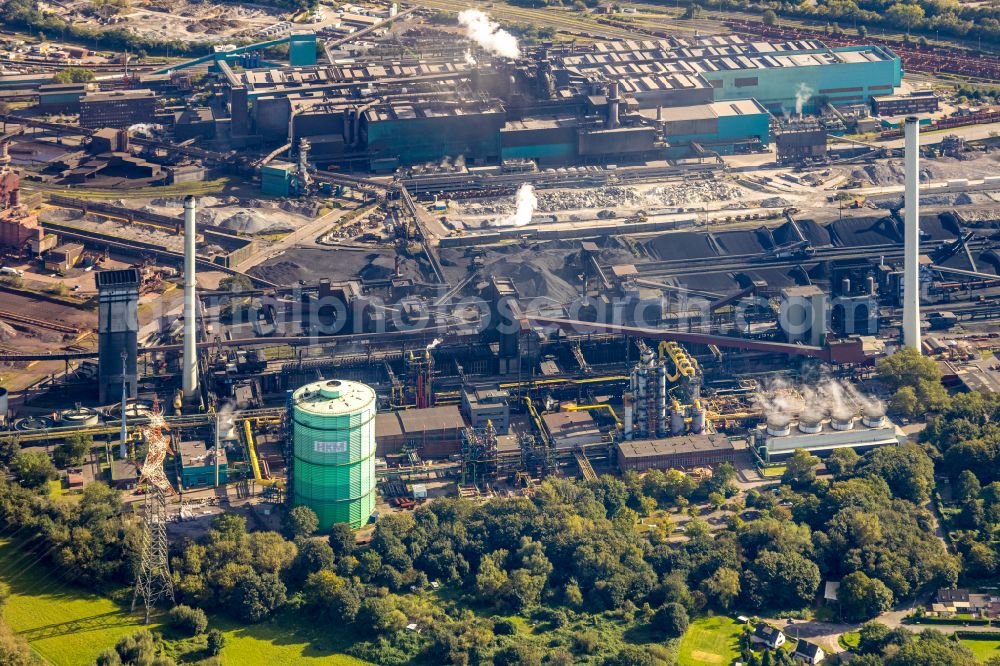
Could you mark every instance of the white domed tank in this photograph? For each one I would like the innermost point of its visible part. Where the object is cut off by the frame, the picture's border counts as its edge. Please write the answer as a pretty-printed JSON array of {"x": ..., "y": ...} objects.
[
  {"x": 873, "y": 416},
  {"x": 842, "y": 419},
  {"x": 333, "y": 445},
  {"x": 779, "y": 425},
  {"x": 811, "y": 422}
]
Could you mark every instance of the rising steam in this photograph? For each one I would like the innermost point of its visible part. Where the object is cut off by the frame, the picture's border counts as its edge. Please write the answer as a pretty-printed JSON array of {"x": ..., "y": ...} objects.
[
  {"x": 802, "y": 95},
  {"x": 781, "y": 401},
  {"x": 434, "y": 343},
  {"x": 488, "y": 34},
  {"x": 526, "y": 203}
]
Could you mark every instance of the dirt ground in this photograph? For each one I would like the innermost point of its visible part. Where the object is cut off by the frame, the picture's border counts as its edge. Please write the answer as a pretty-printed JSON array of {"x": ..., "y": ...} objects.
[{"x": 185, "y": 21}]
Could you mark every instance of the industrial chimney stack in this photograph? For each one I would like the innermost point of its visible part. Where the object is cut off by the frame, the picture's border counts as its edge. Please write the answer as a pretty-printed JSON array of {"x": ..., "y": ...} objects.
[
  {"x": 911, "y": 236},
  {"x": 190, "y": 358},
  {"x": 614, "y": 101}
]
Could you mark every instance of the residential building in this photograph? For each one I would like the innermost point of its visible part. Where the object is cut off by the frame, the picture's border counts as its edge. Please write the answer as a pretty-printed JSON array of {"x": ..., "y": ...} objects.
[
  {"x": 770, "y": 637},
  {"x": 808, "y": 653},
  {"x": 956, "y": 601}
]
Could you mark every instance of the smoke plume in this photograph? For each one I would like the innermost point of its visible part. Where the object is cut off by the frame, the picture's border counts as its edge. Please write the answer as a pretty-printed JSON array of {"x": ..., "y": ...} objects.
[
  {"x": 488, "y": 34},
  {"x": 825, "y": 396},
  {"x": 802, "y": 95},
  {"x": 526, "y": 202}
]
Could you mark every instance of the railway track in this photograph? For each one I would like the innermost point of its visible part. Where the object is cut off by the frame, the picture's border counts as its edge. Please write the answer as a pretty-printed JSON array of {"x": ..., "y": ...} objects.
[{"x": 39, "y": 323}]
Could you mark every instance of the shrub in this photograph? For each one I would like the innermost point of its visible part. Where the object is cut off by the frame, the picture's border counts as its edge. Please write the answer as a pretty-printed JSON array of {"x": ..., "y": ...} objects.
[
  {"x": 216, "y": 641},
  {"x": 192, "y": 621},
  {"x": 586, "y": 642},
  {"x": 504, "y": 627}
]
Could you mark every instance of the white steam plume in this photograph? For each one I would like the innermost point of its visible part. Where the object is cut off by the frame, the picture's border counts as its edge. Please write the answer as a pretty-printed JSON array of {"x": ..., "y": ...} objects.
[
  {"x": 434, "y": 343},
  {"x": 802, "y": 95},
  {"x": 470, "y": 59},
  {"x": 526, "y": 203},
  {"x": 822, "y": 397},
  {"x": 488, "y": 34}
]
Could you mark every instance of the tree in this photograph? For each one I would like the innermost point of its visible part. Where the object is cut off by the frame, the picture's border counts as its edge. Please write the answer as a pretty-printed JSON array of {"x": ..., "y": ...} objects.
[
  {"x": 671, "y": 620},
  {"x": 109, "y": 657},
  {"x": 905, "y": 403},
  {"x": 140, "y": 649},
  {"x": 192, "y": 621},
  {"x": 907, "y": 470},
  {"x": 862, "y": 598},
  {"x": 300, "y": 521},
  {"x": 905, "y": 16},
  {"x": 722, "y": 587},
  {"x": 781, "y": 580},
  {"x": 800, "y": 469},
  {"x": 933, "y": 396},
  {"x": 313, "y": 556},
  {"x": 8, "y": 449},
  {"x": 33, "y": 469},
  {"x": 907, "y": 366},
  {"x": 769, "y": 17},
  {"x": 334, "y": 597},
  {"x": 932, "y": 648},
  {"x": 381, "y": 616},
  {"x": 73, "y": 75},
  {"x": 967, "y": 487},
  {"x": 72, "y": 450},
  {"x": 519, "y": 654},
  {"x": 841, "y": 463},
  {"x": 342, "y": 539},
  {"x": 631, "y": 655},
  {"x": 862, "y": 31},
  {"x": 692, "y": 11},
  {"x": 216, "y": 641},
  {"x": 257, "y": 596}
]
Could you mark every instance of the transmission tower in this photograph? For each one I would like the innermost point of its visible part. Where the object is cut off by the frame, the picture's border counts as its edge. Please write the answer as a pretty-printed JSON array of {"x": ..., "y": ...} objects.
[{"x": 153, "y": 582}]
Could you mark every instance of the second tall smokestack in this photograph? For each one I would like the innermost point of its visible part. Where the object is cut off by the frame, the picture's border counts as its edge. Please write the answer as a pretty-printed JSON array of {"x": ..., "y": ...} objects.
[
  {"x": 911, "y": 235},
  {"x": 190, "y": 358}
]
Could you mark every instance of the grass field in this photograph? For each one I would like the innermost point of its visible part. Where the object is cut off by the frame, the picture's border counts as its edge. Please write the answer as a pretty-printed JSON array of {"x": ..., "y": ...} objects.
[
  {"x": 710, "y": 640},
  {"x": 982, "y": 648},
  {"x": 63, "y": 624},
  {"x": 69, "y": 626}
]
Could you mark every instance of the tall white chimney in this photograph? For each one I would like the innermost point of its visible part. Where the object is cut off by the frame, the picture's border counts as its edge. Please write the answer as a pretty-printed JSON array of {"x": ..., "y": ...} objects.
[
  {"x": 911, "y": 236},
  {"x": 190, "y": 358}
]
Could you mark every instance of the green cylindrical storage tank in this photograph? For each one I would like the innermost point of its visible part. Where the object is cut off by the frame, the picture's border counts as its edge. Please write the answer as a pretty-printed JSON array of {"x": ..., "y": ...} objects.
[{"x": 333, "y": 442}]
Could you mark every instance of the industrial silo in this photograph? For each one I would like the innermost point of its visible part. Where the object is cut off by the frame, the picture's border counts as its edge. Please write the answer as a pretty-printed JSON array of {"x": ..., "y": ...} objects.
[{"x": 333, "y": 444}]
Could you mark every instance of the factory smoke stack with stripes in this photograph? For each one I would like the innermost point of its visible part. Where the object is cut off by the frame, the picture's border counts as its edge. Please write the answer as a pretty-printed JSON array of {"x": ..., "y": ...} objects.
[
  {"x": 190, "y": 359},
  {"x": 911, "y": 236}
]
